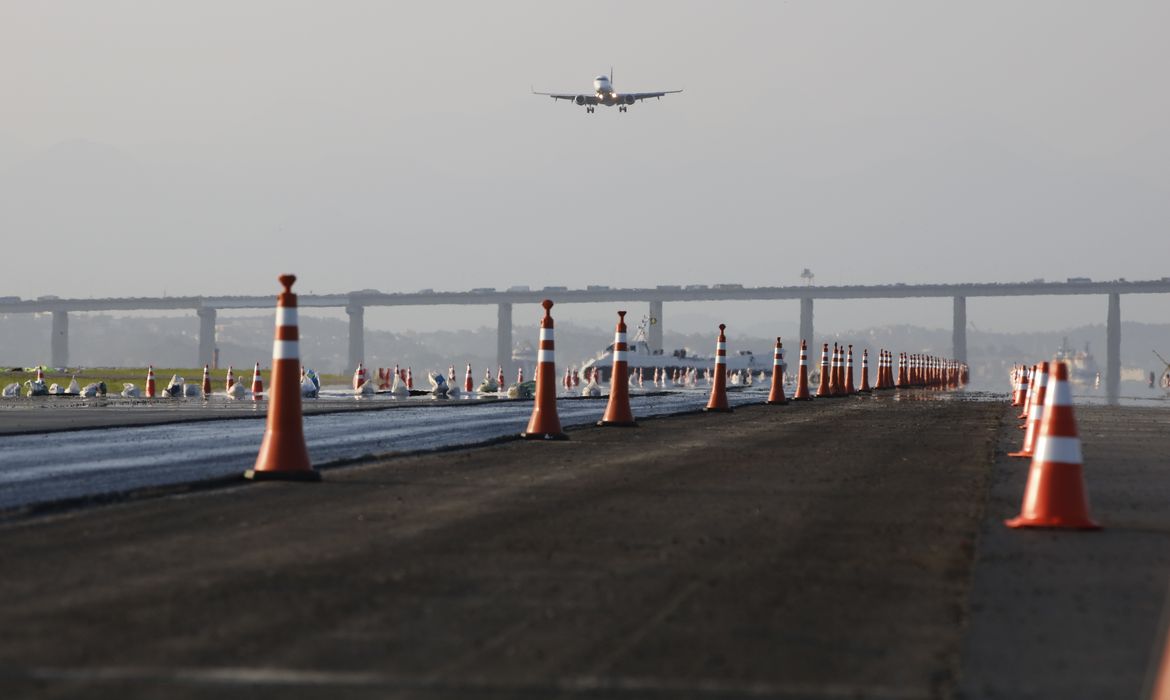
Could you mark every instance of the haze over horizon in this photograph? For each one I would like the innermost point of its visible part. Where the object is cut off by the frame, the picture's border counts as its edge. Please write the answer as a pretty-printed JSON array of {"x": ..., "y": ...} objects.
[{"x": 147, "y": 149}]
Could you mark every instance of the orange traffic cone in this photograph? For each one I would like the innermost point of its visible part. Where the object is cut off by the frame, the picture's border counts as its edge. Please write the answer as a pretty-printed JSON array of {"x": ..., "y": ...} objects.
[
  {"x": 544, "y": 423},
  {"x": 865, "y": 387},
  {"x": 409, "y": 379},
  {"x": 1159, "y": 684},
  {"x": 617, "y": 411},
  {"x": 1028, "y": 393},
  {"x": 849, "y": 390},
  {"x": 257, "y": 383},
  {"x": 359, "y": 376},
  {"x": 230, "y": 380},
  {"x": 467, "y": 380},
  {"x": 802, "y": 392},
  {"x": 718, "y": 401},
  {"x": 283, "y": 453},
  {"x": 839, "y": 372},
  {"x": 500, "y": 379},
  {"x": 150, "y": 385},
  {"x": 206, "y": 388},
  {"x": 823, "y": 385},
  {"x": 1055, "y": 495},
  {"x": 1035, "y": 412},
  {"x": 1020, "y": 388},
  {"x": 834, "y": 373},
  {"x": 776, "y": 395}
]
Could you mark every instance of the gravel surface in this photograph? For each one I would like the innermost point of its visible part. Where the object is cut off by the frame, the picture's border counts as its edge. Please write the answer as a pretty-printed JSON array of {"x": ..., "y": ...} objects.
[
  {"x": 838, "y": 549},
  {"x": 1068, "y": 614},
  {"x": 815, "y": 550}
]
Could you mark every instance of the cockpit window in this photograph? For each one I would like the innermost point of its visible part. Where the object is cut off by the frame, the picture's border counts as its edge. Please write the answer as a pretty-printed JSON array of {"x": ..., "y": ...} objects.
[{"x": 601, "y": 77}]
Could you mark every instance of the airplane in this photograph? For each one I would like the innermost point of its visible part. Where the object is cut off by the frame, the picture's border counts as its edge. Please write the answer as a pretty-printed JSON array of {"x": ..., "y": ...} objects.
[{"x": 604, "y": 94}]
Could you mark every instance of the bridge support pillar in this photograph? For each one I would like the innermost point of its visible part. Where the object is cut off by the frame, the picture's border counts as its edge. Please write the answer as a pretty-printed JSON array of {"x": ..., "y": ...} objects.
[
  {"x": 654, "y": 332},
  {"x": 806, "y": 325},
  {"x": 504, "y": 338},
  {"x": 59, "y": 340},
  {"x": 357, "y": 334},
  {"x": 1113, "y": 349},
  {"x": 959, "y": 331},
  {"x": 206, "y": 335}
]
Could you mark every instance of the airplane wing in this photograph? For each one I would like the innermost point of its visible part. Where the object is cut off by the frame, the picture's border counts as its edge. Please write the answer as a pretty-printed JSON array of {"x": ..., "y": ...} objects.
[
  {"x": 589, "y": 99},
  {"x": 639, "y": 96}
]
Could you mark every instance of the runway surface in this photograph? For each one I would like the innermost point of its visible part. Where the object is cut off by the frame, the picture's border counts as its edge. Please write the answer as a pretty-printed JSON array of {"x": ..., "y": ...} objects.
[
  {"x": 835, "y": 549},
  {"x": 64, "y": 465}
]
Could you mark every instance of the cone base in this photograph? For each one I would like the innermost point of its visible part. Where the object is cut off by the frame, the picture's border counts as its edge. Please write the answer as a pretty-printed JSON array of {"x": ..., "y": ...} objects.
[
  {"x": 617, "y": 424},
  {"x": 777, "y": 403},
  {"x": 801, "y": 398},
  {"x": 1022, "y": 454},
  {"x": 1053, "y": 523},
  {"x": 270, "y": 475},
  {"x": 717, "y": 409},
  {"x": 544, "y": 436}
]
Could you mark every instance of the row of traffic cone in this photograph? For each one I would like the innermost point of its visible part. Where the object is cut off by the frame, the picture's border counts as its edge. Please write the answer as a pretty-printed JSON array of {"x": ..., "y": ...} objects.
[
  {"x": 151, "y": 389},
  {"x": 386, "y": 376},
  {"x": 836, "y": 379},
  {"x": 283, "y": 453},
  {"x": 1055, "y": 495}
]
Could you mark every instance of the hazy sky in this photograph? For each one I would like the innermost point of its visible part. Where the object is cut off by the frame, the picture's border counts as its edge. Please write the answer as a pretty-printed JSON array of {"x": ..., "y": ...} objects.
[{"x": 201, "y": 148}]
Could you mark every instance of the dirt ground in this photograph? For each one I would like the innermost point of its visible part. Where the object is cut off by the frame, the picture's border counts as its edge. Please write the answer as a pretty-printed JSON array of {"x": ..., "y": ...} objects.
[
  {"x": 1076, "y": 614},
  {"x": 823, "y": 550}
]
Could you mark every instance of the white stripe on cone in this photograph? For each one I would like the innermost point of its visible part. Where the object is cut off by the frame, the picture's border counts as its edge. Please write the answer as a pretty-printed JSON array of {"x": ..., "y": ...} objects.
[
  {"x": 285, "y": 350},
  {"x": 1064, "y": 450}
]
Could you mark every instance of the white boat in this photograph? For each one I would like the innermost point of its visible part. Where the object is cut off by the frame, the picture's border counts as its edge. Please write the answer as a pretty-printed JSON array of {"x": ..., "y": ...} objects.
[
  {"x": 641, "y": 355},
  {"x": 1082, "y": 367}
]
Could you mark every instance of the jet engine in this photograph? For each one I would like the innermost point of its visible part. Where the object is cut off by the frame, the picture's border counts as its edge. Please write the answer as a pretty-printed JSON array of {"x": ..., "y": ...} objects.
[
  {"x": 580, "y": 99},
  {"x": 629, "y": 99}
]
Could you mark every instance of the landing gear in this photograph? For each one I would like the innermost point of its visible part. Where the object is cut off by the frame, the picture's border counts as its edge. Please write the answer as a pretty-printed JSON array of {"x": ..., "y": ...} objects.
[
  {"x": 621, "y": 108},
  {"x": 589, "y": 110}
]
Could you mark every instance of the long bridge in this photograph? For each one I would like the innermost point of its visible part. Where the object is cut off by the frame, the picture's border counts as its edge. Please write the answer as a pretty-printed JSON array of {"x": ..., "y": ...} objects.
[{"x": 356, "y": 302}]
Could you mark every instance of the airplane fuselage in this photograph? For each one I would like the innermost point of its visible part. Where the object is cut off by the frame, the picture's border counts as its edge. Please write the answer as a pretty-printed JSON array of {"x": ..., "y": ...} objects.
[{"x": 605, "y": 92}]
